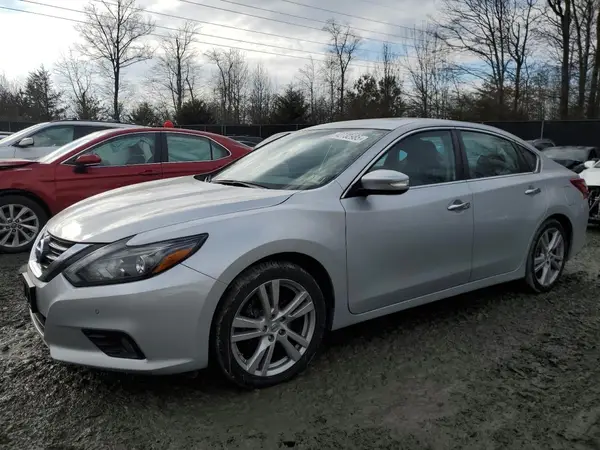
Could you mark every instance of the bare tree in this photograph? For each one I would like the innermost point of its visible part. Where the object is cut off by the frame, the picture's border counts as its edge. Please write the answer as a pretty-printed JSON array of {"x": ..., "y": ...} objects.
[
  {"x": 390, "y": 83},
  {"x": 592, "y": 109},
  {"x": 562, "y": 9},
  {"x": 480, "y": 28},
  {"x": 330, "y": 78},
  {"x": 231, "y": 81},
  {"x": 344, "y": 44},
  {"x": 584, "y": 14},
  {"x": 522, "y": 17},
  {"x": 113, "y": 37},
  {"x": 260, "y": 97},
  {"x": 76, "y": 75},
  {"x": 177, "y": 69},
  {"x": 307, "y": 79},
  {"x": 428, "y": 69}
]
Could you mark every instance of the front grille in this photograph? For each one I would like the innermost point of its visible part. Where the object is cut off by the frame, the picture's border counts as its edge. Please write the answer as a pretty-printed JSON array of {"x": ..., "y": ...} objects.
[{"x": 50, "y": 249}]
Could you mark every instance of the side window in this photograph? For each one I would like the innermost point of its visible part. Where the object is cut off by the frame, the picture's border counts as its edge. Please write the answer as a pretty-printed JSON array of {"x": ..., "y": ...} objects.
[
  {"x": 218, "y": 151},
  {"x": 53, "y": 136},
  {"x": 127, "y": 150},
  {"x": 529, "y": 158},
  {"x": 490, "y": 156},
  {"x": 427, "y": 158},
  {"x": 84, "y": 130},
  {"x": 186, "y": 148}
]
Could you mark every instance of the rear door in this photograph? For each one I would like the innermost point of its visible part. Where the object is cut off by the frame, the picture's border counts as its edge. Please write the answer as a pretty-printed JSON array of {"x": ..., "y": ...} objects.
[
  {"x": 508, "y": 201},
  {"x": 126, "y": 159},
  {"x": 189, "y": 154}
]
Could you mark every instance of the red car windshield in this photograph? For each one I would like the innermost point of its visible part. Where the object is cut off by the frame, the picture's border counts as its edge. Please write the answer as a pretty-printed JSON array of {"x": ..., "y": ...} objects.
[{"x": 68, "y": 148}]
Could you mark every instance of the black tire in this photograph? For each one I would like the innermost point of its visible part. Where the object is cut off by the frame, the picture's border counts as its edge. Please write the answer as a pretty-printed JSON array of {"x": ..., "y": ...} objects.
[
  {"x": 530, "y": 279},
  {"x": 237, "y": 292},
  {"x": 34, "y": 206}
]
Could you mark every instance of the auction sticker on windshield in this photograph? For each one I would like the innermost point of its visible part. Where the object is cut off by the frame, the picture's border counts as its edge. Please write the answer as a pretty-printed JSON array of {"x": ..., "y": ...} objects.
[{"x": 349, "y": 136}]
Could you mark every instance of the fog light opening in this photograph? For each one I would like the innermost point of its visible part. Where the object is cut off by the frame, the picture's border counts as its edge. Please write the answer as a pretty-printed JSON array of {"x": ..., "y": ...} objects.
[{"x": 115, "y": 344}]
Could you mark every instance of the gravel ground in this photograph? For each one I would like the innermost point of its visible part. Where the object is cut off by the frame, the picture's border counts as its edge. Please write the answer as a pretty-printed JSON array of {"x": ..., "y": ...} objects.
[{"x": 492, "y": 369}]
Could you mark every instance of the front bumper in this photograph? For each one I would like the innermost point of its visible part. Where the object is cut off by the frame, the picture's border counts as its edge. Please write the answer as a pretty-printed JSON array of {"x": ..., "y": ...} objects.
[{"x": 168, "y": 317}]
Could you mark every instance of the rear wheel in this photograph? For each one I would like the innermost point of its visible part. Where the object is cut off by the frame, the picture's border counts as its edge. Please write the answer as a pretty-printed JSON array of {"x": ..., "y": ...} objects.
[
  {"x": 21, "y": 219},
  {"x": 270, "y": 325},
  {"x": 547, "y": 257}
]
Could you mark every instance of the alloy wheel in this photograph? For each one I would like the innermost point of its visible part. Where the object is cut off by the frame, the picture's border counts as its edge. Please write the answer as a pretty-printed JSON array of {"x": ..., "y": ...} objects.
[
  {"x": 549, "y": 256},
  {"x": 273, "y": 328},
  {"x": 19, "y": 225}
]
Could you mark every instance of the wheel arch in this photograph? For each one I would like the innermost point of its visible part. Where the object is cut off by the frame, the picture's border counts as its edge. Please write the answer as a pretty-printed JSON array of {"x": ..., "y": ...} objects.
[
  {"x": 567, "y": 225},
  {"x": 316, "y": 270},
  {"x": 30, "y": 195},
  {"x": 309, "y": 263}
]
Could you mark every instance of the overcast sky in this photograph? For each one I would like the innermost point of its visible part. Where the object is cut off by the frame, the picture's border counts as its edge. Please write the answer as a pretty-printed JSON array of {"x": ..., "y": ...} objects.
[{"x": 30, "y": 40}]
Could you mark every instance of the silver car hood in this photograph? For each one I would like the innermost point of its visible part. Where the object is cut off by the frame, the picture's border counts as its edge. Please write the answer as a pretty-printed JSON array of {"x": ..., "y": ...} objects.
[{"x": 142, "y": 207}]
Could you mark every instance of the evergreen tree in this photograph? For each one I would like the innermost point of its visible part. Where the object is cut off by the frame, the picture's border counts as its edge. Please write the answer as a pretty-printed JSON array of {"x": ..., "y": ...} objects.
[
  {"x": 194, "y": 112},
  {"x": 42, "y": 101},
  {"x": 291, "y": 107}
]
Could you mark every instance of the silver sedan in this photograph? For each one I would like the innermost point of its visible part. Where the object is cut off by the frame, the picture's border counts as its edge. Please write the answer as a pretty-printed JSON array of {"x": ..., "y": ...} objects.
[{"x": 321, "y": 229}]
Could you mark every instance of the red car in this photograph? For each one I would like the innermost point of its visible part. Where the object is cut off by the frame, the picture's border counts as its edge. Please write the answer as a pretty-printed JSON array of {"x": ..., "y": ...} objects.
[{"x": 32, "y": 191}]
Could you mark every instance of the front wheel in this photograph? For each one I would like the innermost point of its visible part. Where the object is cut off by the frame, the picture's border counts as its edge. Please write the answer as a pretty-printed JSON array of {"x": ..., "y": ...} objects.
[
  {"x": 269, "y": 325},
  {"x": 21, "y": 219},
  {"x": 547, "y": 257}
]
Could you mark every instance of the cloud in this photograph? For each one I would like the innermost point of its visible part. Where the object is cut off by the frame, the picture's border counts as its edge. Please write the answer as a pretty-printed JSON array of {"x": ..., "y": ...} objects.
[{"x": 36, "y": 40}]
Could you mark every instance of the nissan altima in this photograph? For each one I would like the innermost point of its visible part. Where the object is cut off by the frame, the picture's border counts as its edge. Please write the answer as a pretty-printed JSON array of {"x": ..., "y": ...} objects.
[{"x": 323, "y": 228}]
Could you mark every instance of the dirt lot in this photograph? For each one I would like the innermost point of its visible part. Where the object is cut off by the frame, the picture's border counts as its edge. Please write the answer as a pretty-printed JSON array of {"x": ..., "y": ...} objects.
[{"x": 493, "y": 369}]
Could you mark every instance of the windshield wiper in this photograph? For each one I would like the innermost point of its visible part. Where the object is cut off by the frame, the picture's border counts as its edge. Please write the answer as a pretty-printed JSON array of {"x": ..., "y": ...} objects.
[{"x": 239, "y": 183}]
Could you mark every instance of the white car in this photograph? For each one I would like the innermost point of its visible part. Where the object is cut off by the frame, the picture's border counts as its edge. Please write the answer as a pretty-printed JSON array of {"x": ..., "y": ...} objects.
[
  {"x": 41, "y": 139},
  {"x": 591, "y": 175}
]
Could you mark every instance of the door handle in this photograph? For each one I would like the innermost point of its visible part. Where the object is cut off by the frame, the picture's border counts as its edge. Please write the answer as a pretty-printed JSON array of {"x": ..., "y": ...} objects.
[
  {"x": 532, "y": 191},
  {"x": 459, "y": 205},
  {"x": 149, "y": 173}
]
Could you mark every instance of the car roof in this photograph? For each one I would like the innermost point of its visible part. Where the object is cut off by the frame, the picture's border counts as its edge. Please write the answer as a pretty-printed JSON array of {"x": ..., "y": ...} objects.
[
  {"x": 92, "y": 123},
  {"x": 137, "y": 128},
  {"x": 398, "y": 122}
]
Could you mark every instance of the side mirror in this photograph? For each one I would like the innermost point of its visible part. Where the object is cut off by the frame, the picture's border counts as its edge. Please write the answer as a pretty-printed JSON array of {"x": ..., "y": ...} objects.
[
  {"x": 25, "y": 142},
  {"x": 384, "y": 182},
  {"x": 84, "y": 161},
  {"x": 589, "y": 164}
]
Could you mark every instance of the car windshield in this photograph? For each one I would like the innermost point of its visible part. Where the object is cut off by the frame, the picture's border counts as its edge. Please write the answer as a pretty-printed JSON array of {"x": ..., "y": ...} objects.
[
  {"x": 67, "y": 148},
  {"x": 303, "y": 160},
  {"x": 16, "y": 137}
]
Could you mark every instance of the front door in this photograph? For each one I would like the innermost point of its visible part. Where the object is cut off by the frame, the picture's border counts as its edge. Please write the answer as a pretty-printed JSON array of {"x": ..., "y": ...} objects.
[
  {"x": 400, "y": 247},
  {"x": 188, "y": 154},
  {"x": 509, "y": 202},
  {"x": 126, "y": 159}
]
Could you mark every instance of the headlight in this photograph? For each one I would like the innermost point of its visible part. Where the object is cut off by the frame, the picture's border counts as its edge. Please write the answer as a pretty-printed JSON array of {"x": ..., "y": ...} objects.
[{"x": 118, "y": 263}]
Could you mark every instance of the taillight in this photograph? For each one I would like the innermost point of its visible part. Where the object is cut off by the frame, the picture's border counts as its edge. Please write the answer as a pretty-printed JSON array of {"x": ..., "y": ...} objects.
[{"x": 581, "y": 186}]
